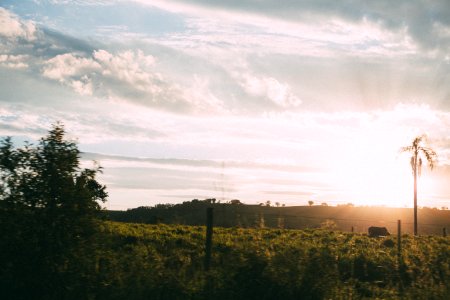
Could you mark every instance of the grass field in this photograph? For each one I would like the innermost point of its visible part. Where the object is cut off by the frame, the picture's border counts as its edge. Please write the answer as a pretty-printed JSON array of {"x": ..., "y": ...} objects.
[{"x": 166, "y": 262}]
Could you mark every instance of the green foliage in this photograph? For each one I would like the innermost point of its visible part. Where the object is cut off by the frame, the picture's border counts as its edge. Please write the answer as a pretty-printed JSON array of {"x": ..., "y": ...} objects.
[
  {"x": 166, "y": 262},
  {"x": 48, "y": 209}
]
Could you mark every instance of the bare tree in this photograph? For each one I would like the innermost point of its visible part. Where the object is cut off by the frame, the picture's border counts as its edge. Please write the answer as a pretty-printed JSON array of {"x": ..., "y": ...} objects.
[{"x": 417, "y": 150}]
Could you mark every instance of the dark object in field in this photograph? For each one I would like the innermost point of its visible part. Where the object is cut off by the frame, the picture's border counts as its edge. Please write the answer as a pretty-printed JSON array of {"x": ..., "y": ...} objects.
[
  {"x": 388, "y": 243},
  {"x": 378, "y": 231}
]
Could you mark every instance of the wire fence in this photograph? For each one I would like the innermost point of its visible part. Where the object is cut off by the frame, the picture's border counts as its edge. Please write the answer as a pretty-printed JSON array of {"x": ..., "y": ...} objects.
[
  {"x": 226, "y": 215},
  {"x": 294, "y": 221}
]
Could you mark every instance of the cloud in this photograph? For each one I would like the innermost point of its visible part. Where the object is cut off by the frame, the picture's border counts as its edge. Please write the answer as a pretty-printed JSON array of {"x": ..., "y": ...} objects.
[
  {"x": 20, "y": 123},
  {"x": 74, "y": 71},
  {"x": 81, "y": 2},
  {"x": 14, "y": 61},
  {"x": 281, "y": 154},
  {"x": 426, "y": 23},
  {"x": 25, "y": 45},
  {"x": 129, "y": 67},
  {"x": 215, "y": 166},
  {"x": 13, "y": 28},
  {"x": 124, "y": 67},
  {"x": 231, "y": 66},
  {"x": 126, "y": 74},
  {"x": 68, "y": 65},
  {"x": 130, "y": 75},
  {"x": 268, "y": 87},
  {"x": 208, "y": 178},
  {"x": 320, "y": 38}
]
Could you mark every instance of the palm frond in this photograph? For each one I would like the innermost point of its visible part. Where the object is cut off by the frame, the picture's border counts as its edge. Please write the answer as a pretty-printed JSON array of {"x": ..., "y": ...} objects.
[
  {"x": 406, "y": 149},
  {"x": 430, "y": 155},
  {"x": 415, "y": 148}
]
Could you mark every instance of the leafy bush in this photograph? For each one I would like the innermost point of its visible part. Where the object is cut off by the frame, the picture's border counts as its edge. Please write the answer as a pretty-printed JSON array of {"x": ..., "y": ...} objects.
[{"x": 48, "y": 224}]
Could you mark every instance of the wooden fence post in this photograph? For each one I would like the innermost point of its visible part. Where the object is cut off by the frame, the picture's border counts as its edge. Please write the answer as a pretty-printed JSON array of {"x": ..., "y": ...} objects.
[
  {"x": 353, "y": 229},
  {"x": 209, "y": 233},
  {"x": 399, "y": 240},
  {"x": 444, "y": 232},
  {"x": 399, "y": 256}
]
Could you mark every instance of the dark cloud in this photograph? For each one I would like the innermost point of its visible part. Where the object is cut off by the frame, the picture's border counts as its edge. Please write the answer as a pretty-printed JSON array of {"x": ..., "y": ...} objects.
[{"x": 54, "y": 43}]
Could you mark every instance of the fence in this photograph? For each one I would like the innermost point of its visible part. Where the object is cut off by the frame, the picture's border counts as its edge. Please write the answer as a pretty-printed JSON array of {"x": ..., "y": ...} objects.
[
  {"x": 291, "y": 221},
  {"x": 400, "y": 270},
  {"x": 209, "y": 229}
]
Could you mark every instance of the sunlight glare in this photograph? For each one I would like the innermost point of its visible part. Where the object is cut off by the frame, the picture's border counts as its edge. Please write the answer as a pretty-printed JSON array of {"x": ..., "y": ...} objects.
[{"x": 375, "y": 174}]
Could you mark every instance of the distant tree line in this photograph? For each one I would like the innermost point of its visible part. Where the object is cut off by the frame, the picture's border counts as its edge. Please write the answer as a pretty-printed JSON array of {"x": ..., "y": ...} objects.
[{"x": 236, "y": 214}]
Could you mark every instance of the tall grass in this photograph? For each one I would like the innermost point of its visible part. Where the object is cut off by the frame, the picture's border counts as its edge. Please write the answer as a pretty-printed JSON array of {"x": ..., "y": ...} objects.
[{"x": 166, "y": 262}]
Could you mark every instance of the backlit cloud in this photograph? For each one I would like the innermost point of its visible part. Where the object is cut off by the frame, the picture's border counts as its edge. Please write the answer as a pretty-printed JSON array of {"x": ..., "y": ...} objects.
[
  {"x": 13, "y": 28},
  {"x": 426, "y": 23}
]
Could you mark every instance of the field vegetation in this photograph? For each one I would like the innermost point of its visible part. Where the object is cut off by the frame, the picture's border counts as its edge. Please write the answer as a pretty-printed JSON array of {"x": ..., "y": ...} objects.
[
  {"x": 140, "y": 261},
  {"x": 232, "y": 214}
]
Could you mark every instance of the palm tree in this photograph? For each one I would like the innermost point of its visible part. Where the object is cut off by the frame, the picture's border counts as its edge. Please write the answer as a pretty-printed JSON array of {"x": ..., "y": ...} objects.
[{"x": 416, "y": 149}]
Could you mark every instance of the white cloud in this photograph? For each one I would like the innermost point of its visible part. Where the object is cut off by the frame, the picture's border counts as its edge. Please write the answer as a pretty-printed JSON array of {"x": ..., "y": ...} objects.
[
  {"x": 129, "y": 67},
  {"x": 131, "y": 76},
  {"x": 65, "y": 66},
  {"x": 201, "y": 97},
  {"x": 269, "y": 87},
  {"x": 14, "y": 61},
  {"x": 83, "y": 86},
  {"x": 11, "y": 27}
]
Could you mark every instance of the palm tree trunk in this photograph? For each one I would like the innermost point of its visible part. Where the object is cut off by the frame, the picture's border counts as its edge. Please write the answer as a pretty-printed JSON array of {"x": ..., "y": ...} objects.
[{"x": 415, "y": 194}]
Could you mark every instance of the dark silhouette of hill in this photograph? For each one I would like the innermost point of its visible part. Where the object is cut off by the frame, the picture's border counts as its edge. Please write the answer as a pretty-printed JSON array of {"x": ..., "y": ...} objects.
[{"x": 343, "y": 217}]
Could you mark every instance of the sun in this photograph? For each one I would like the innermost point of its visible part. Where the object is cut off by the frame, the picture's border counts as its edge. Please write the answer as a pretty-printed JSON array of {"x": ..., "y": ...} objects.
[{"x": 368, "y": 174}]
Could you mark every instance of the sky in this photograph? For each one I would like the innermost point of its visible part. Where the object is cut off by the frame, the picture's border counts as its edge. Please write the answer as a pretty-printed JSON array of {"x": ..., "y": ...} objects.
[{"x": 286, "y": 101}]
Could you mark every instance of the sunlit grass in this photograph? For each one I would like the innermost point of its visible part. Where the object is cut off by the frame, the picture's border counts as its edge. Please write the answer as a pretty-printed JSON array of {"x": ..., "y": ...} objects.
[{"x": 273, "y": 263}]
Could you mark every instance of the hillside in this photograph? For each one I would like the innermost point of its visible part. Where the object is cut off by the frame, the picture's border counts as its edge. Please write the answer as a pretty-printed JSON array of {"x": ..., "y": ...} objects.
[{"x": 345, "y": 218}]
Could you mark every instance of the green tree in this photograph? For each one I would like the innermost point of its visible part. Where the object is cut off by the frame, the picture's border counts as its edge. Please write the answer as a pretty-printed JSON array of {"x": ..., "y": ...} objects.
[
  {"x": 417, "y": 150},
  {"x": 48, "y": 217}
]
